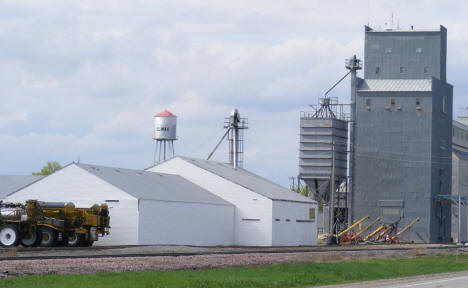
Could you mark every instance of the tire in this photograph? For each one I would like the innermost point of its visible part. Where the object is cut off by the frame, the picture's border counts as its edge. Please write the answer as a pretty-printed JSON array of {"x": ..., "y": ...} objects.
[
  {"x": 9, "y": 235},
  {"x": 74, "y": 240},
  {"x": 34, "y": 239},
  {"x": 49, "y": 237}
]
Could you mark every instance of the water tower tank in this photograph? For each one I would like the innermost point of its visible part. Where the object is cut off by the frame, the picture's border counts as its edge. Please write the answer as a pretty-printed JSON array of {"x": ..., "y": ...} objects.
[{"x": 165, "y": 124}]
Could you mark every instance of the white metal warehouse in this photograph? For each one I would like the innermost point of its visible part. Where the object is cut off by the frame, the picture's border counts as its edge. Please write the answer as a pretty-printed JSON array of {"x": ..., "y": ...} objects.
[
  {"x": 145, "y": 207},
  {"x": 266, "y": 213}
]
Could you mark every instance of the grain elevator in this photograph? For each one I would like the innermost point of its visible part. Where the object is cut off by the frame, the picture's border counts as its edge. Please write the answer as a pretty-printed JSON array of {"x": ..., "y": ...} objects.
[{"x": 403, "y": 145}]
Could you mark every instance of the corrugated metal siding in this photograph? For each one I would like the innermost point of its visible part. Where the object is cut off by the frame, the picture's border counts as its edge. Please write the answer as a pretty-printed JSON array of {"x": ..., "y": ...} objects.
[
  {"x": 398, "y": 156},
  {"x": 393, "y": 159},
  {"x": 179, "y": 223},
  {"x": 459, "y": 186},
  {"x": 298, "y": 230},
  {"x": 459, "y": 136},
  {"x": 460, "y": 154},
  {"x": 400, "y": 85},
  {"x": 316, "y": 148},
  {"x": 73, "y": 184},
  {"x": 421, "y": 54},
  {"x": 249, "y": 205},
  {"x": 255, "y": 214}
]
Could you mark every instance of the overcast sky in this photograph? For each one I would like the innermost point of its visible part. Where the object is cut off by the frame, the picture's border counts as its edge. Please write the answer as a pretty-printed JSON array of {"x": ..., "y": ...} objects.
[{"x": 84, "y": 78}]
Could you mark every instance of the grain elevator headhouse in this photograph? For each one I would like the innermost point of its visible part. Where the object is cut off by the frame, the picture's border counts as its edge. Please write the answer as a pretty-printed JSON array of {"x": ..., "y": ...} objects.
[{"x": 403, "y": 145}]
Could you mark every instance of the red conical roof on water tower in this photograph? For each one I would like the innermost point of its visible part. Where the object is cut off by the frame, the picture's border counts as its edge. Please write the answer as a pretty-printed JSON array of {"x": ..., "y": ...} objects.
[{"x": 165, "y": 113}]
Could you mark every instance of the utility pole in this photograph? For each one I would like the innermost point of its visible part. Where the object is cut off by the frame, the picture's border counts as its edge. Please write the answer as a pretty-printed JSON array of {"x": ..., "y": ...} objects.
[
  {"x": 459, "y": 220},
  {"x": 332, "y": 191},
  {"x": 292, "y": 185}
]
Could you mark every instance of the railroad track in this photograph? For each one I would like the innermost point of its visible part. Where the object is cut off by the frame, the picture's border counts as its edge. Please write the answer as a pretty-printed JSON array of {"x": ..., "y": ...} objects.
[{"x": 112, "y": 251}]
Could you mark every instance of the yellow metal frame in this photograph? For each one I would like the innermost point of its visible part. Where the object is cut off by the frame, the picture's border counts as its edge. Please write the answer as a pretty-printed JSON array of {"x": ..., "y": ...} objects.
[
  {"x": 380, "y": 228},
  {"x": 406, "y": 228},
  {"x": 342, "y": 233},
  {"x": 384, "y": 232},
  {"x": 365, "y": 229},
  {"x": 50, "y": 226}
]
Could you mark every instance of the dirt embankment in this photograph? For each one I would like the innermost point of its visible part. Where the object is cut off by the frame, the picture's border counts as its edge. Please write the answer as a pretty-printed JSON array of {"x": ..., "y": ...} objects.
[{"x": 194, "y": 262}]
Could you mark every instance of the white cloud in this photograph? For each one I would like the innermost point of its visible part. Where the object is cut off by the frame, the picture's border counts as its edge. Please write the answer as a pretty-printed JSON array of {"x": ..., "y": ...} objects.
[
  {"x": 13, "y": 117},
  {"x": 85, "y": 78},
  {"x": 28, "y": 82}
]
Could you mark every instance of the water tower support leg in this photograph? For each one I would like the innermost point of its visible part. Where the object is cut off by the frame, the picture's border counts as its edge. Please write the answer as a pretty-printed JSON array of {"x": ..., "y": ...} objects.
[{"x": 160, "y": 144}]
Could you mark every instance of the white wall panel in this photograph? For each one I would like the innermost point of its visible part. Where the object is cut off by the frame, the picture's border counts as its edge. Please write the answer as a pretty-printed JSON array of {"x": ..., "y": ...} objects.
[
  {"x": 289, "y": 226},
  {"x": 73, "y": 184},
  {"x": 459, "y": 185},
  {"x": 185, "y": 223},
  {"x": 253, "y": 225}
]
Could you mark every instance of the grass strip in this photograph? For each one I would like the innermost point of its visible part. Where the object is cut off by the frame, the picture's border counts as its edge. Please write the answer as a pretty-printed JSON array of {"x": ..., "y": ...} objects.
[{"x": 284, "y": 275}]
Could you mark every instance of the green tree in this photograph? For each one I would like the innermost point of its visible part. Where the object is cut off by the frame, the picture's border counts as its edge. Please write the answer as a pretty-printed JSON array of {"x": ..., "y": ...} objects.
[
  {"x": 305, "y": 191},
  {"x": 50, "y": 168}
]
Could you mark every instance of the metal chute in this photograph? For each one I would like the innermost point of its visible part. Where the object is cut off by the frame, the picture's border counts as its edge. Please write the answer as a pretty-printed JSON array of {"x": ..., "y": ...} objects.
[{"x": 234, "y": 125}]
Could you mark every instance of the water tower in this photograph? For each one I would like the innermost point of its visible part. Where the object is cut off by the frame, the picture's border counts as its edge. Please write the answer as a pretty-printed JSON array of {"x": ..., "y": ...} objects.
[{"x": 165, "y": 125}]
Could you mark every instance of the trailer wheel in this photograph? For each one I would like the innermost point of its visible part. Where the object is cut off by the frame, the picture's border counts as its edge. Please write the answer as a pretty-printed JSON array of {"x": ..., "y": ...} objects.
[
  {"x": 32, "y": 239},
  {"x": 49, "y": 237},
  {"x": 74, "y": 240},
  {"x": 9, "y": 235}
]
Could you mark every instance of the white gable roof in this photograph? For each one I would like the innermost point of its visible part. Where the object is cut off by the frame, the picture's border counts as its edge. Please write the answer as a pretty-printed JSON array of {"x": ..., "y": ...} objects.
[
  {"x": 152, "y": 185},
  {"x": 12, "y": 183},
  {"x": 248, "y": 180}
]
